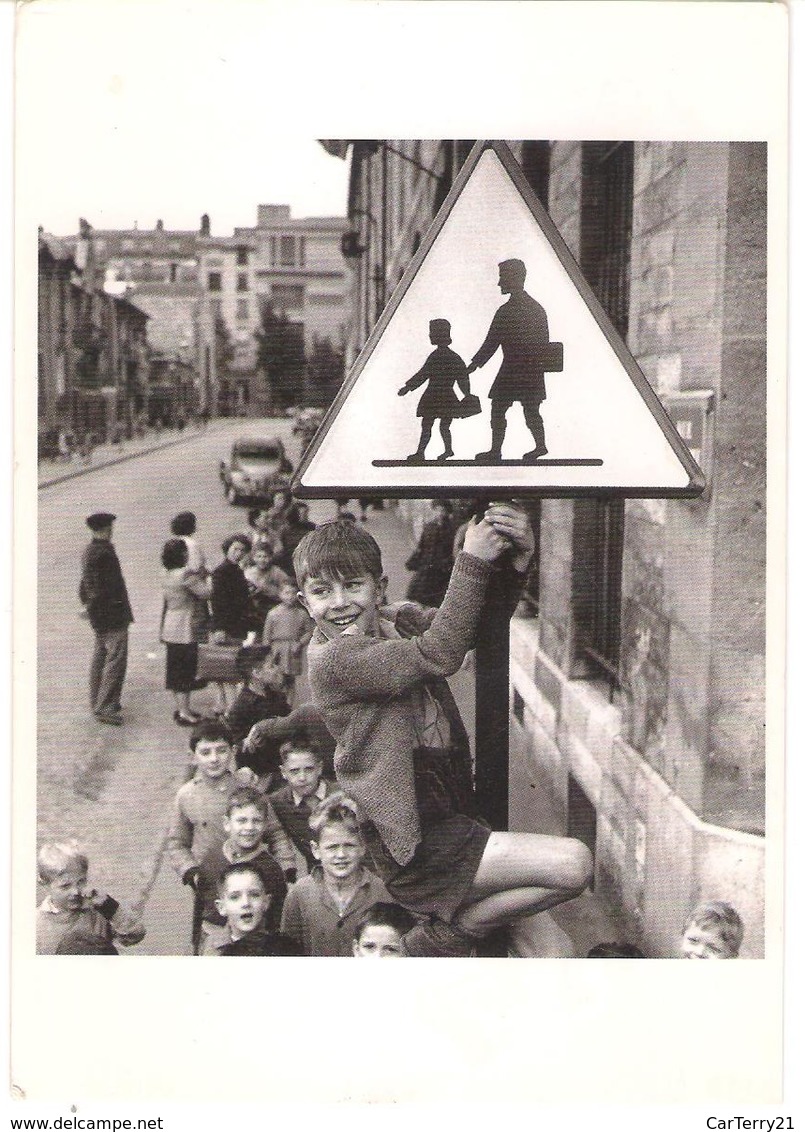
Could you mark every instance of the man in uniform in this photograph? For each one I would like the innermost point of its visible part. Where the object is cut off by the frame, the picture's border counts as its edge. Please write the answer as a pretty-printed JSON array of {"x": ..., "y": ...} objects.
[
  {"x": 520, "y": 329},
  {"x": 103, "y": 594}
]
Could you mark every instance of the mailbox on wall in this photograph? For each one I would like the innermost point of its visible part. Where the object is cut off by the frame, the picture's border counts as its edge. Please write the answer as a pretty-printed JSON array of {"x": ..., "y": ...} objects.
[{"x": 691, "y": 412}]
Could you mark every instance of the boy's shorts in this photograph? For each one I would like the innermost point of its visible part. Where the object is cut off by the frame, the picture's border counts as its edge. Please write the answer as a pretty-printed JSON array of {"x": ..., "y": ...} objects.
[
  {"x": 435, "y": 939},
  {"x": 437, "y": 880}
]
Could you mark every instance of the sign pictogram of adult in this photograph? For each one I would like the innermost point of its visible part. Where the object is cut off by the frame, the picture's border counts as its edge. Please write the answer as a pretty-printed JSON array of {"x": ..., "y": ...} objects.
[{"x": 519, "y": 329}]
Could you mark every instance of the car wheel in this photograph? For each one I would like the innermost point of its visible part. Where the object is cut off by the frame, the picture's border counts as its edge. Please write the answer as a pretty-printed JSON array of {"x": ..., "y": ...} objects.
[{"x": 232, "y": 496}]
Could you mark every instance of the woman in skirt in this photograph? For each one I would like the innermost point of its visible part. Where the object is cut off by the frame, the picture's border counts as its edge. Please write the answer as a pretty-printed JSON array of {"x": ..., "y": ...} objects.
[{"x": 184, "y": 624}]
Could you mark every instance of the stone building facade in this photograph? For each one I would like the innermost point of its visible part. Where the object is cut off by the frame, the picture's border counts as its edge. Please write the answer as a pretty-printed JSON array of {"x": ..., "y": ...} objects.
[
  {"x": 93, "y": 357},
  {"x": 638, "y": 677},
  {"x": 298, "y": 269}
]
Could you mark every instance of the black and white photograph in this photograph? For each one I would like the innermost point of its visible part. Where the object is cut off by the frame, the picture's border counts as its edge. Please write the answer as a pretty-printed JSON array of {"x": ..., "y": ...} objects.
[{"x": 399, "y": 558}]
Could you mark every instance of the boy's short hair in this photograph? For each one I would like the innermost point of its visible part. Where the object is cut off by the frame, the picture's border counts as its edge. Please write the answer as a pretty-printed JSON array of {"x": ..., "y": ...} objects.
[
  {"x": 337, "y": 809},
  {"x": 338, "y": 549},
  {"x": 717, "y": 915},
  {"x": 246, "y": 796},
  {"x": 615, "y": 951},
  {"x": 301, "y": 741},
  {"x": 385, "y": 914},
  {"x": 174, "y": 553},
  {"x": 212, "y": 730},
  {"x": 184, "y": 524},
  {"x": 56, "y": 857},
  {"x": 236, "y": 870},
  {"x": 244, "y": 540}
]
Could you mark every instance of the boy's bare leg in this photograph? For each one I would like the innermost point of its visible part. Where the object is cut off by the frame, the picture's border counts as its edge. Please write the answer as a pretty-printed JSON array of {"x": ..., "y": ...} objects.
[
  {"x": 521, "y": 874},
  {"x": 531, "y": 860},
  {"x": 501, "y": 908}
]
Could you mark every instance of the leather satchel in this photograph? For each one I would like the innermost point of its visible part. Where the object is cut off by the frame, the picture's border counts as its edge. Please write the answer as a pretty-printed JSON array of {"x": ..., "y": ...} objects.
[
  {"x": 218, "y": 663},
  {"x": 470, "y": 406}
]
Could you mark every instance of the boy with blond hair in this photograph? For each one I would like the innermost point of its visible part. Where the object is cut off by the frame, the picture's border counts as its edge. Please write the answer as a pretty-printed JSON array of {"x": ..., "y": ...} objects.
[
  {"x": 73, "y": 912},
  {"x": 322, "y": 910}
]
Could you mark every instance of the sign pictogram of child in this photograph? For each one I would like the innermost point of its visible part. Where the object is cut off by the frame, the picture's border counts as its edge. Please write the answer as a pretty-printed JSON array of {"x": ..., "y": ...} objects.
[{"x": 443, "y": 369}]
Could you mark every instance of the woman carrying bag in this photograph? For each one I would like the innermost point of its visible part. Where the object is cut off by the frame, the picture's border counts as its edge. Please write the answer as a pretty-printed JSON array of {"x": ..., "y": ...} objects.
[
  {"x": 230, "y": 606},
  {"x": 184, "y": 624}
]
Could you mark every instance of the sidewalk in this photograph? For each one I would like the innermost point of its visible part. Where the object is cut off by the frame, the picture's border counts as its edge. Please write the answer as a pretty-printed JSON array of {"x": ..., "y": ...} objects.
[{"x": 57, "y": 471}]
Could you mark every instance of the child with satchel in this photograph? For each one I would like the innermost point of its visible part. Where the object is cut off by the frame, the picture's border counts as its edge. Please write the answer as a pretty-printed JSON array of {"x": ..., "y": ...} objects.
[
  {"x": 378, "y": 675},
  {"x": 442, "y": 370}
]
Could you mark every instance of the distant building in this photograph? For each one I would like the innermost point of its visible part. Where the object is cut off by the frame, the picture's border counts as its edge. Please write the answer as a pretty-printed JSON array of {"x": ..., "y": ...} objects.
[
  {"x": 159, "y": 269},
  {"x": 638, "y": 680},
  {"x": 300, "y": 270},
  {"x": 230, "y": 308},
  {"x": 205, "y": 294},
  {"x": 93, "y": 355}
]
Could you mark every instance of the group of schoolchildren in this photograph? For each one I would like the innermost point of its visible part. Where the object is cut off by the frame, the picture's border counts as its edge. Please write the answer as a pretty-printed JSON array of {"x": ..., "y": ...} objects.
[{"x": 374, "y": 848}]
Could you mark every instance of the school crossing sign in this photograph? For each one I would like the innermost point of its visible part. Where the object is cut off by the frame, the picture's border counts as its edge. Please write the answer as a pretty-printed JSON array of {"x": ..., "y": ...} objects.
[{"x": 494, "y": 370}]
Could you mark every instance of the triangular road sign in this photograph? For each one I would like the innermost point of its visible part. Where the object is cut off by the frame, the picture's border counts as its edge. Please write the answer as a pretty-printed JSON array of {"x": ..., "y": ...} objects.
[{"x": 605, "y": 431}]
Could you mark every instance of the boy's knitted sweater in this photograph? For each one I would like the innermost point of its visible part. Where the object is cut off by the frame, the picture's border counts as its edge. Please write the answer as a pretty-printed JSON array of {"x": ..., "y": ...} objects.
[{"x": 366, "y": 687}]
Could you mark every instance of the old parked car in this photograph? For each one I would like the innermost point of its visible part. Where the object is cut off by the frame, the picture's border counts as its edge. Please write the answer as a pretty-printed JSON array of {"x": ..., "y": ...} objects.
[{"x": 255, "y": 470}]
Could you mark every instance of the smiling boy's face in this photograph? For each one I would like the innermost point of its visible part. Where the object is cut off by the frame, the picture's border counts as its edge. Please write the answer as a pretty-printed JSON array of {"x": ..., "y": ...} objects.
[
  {"x": 245, "y": 826},
  {"x": 337, "y": 604},
  {"x": 243, "y": 903}
]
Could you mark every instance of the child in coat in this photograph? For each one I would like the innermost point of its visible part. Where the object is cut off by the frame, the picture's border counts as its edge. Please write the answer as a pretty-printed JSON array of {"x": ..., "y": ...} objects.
[
  {"x": 378, "y": 675},
  {"x": 288, "y": 630}
]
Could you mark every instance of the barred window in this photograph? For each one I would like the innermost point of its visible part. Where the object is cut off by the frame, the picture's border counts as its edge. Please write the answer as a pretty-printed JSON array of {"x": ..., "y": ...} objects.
[{"x": 606, "y": 232}]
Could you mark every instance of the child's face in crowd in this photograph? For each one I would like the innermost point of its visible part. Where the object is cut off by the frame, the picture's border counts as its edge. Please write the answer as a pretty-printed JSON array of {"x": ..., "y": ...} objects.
[
  {"x": 243, "y": 903},
  {"x": 67, "y": 889},
  {"x": 336, "y": 604},
  {"x": 236, "y": 552},
  {"x": 340, "y": 851},
  {"x": 378, "y": 941},
  {"x": 302, "y": 771},
  {"x": 245, "y": 826},
  {"x": 288, "y": 595},
  {"x": 703, "y": 943},
  {"x": 268, "y": 675},
  {"x": 212, "y": 757},
  {"x": 261, "y": 558}
]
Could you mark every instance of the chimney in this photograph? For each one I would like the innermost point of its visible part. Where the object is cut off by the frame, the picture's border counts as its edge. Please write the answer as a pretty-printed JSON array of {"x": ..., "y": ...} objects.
[{"x": 205, "y": 225}]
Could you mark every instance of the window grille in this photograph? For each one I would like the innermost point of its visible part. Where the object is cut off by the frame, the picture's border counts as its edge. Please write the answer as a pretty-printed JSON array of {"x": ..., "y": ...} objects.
[{"x": 606, "y": 232}]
